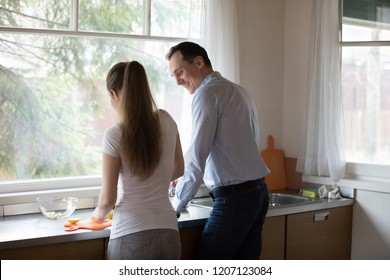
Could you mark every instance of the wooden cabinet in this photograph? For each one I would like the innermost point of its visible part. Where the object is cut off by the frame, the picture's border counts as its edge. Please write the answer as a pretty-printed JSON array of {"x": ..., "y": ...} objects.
[
  {"x": 93, "y": 249},
  {"x": 189, "y": 238},
  {"x": 315, "y": 235},
  {"x": 273, "y": 238},
  {"x": 319, "y": 235}
]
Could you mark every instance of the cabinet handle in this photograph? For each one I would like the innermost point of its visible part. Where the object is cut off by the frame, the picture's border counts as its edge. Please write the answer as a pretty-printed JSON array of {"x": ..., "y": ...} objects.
[{"x": 320, "y": 217}]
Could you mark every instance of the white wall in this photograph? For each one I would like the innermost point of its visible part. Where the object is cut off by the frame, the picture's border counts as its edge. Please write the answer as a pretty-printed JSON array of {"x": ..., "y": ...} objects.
[
  {"x": 296, "y": 42},
  {"x": 261, "y": 35},
  {"x": 273, "y": 38},
  {"x": 371, "y": 226},
  {"x": 273, "y": 52}
]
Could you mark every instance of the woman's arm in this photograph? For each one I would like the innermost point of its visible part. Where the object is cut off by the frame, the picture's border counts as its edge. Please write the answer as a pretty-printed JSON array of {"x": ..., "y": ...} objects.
[{"x": 108, "y": 193}]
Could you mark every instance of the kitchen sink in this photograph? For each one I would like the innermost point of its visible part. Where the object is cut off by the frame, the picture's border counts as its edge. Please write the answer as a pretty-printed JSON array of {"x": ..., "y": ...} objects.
[
  {"x": 275, "y": 200},
  {"x": 281, "y": 199},
  {"x": 205, "y": 202}
]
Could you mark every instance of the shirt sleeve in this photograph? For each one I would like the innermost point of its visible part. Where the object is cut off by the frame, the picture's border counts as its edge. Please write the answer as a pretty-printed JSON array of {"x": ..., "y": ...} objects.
[
  {"x": 111, "y": 141},
  {"x": 204, "y": 125}
]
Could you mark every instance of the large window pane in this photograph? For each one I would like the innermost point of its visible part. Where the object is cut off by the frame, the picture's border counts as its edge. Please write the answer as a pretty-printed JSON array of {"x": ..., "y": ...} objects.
[
  {"x": 365, "y": 80},
  {"x": 122, "y": 16},
  {"x": 43, "y": 14},
  {"x": 176, "y": 18},
  {"x": 366, "y": 93},
  {"x": 53, "y": 103}
]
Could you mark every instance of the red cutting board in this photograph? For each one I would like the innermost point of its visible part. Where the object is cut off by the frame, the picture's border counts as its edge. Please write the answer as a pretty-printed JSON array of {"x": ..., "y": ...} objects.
[
  {"x": 274, "y": 159},
  {"x": 87, "y": 224}
]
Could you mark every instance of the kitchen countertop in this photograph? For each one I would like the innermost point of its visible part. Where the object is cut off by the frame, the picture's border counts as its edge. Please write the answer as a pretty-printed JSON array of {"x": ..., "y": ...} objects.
[{"x": 35, "y": 229}]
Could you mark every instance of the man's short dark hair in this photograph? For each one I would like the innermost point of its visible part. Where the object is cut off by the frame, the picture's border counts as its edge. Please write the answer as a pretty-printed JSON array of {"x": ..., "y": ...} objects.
[{"x": 189, "y": 51}]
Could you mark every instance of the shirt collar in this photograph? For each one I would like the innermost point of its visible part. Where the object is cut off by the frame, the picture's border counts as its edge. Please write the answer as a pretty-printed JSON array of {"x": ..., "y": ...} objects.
[{"x": 210, "y": 76}]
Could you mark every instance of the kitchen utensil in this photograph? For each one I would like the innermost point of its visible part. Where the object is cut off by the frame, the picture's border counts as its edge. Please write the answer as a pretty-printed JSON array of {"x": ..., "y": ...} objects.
[
  {"x": 274, "y": 159},
  {"x": 87, "y": 224}
]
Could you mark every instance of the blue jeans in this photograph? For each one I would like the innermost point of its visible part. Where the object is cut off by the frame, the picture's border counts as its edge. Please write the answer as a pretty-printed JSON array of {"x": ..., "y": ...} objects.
[{"x": 234, "y": 228}]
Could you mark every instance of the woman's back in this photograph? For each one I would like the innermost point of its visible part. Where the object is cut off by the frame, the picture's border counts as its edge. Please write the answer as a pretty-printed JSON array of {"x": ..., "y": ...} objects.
[{"x": 144, "y": 204}]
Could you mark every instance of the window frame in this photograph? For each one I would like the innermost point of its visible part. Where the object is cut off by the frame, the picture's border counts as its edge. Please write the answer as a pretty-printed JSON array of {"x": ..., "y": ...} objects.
[
  {"x": 18, "y": 197},
  {"x": 374, "y": 177}
]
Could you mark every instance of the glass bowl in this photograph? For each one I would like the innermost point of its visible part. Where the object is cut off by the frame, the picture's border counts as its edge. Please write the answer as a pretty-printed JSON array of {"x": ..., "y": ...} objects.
[{"x": 57, "y": 207}]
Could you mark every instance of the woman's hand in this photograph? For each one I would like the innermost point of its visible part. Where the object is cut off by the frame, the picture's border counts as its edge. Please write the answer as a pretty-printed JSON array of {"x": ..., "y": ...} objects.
[
  {"x": 174, "y": 183},
  {"x": 97, "y": 217},
  {"x": 172, "y": 187}
]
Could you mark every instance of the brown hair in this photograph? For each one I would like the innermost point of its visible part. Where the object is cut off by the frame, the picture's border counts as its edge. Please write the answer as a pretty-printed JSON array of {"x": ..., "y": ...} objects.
[{"x": 141, "y": 137}]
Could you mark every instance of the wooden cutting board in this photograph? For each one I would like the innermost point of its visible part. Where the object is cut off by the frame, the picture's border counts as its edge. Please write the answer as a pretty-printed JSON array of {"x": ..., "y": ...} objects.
[{"x": 274, "y": 159}]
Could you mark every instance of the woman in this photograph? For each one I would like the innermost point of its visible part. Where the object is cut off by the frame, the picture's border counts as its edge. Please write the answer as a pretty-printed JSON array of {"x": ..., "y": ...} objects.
[{"x": 141, "y": 155}]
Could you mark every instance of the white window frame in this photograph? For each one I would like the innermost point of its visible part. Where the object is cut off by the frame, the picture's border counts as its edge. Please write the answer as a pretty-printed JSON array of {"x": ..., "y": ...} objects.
[{"x": 372, "y": 177}]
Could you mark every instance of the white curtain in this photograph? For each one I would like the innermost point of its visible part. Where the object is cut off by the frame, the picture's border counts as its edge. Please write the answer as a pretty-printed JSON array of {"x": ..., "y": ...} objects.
[
  {"x": 324, "y": 153},
  {"x": 220, "y": 37}
]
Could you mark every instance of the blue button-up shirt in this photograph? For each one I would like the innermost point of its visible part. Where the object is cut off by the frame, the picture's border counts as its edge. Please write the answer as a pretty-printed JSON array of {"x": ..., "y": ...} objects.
[{"x": 225, "y": 136}]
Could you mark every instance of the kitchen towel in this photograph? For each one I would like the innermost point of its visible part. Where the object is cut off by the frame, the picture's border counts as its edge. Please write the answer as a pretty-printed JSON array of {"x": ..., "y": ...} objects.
[{"x": 329, "y": 192}]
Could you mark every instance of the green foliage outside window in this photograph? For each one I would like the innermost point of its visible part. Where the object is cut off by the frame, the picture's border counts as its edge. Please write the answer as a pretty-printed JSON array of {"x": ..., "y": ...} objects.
[{"x": 53, "y": 102}]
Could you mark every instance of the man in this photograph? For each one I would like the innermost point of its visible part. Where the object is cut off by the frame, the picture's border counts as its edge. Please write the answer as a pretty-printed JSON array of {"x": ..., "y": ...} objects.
[{"x": 224, "y": 155}]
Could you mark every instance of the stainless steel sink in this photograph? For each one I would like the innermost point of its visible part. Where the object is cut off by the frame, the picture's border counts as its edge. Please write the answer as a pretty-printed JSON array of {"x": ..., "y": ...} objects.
[
  {"x": 205, "y": 202},
  {"x": 276, "y": 200},
  {"x": 281, "y": 199}
]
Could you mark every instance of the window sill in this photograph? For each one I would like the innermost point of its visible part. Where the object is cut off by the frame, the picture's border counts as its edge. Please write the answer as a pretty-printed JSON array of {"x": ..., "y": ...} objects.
[
  {"x": 25, "y": 202},
  {"x": 356, "y": 182}
]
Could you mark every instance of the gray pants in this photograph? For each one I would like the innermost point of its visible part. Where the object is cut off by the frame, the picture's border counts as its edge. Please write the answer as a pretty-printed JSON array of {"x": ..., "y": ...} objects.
[{"x": 155, "y": 244}]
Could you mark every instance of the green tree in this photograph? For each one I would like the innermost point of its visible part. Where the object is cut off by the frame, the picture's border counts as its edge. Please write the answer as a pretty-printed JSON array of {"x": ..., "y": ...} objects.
[{"x": 52, "y": 86}]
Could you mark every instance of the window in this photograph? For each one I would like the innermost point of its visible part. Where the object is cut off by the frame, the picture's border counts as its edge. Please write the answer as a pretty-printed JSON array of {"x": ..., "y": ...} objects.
[
  {"x": 366, "y": 80},
  {"x": 54, "y": 56}
]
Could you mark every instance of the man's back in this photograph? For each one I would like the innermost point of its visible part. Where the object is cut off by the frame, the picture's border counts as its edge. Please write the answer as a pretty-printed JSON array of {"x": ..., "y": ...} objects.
[{"x": 226, "y": 131}]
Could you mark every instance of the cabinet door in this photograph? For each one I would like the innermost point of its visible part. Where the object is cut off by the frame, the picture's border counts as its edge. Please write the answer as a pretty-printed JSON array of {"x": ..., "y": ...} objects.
[
  {"x": 189, "y": 238},
  {"x": 93, "y": 249},
  {"x": 273, "y": 238},
  {"x": 317, "y": 235}
]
